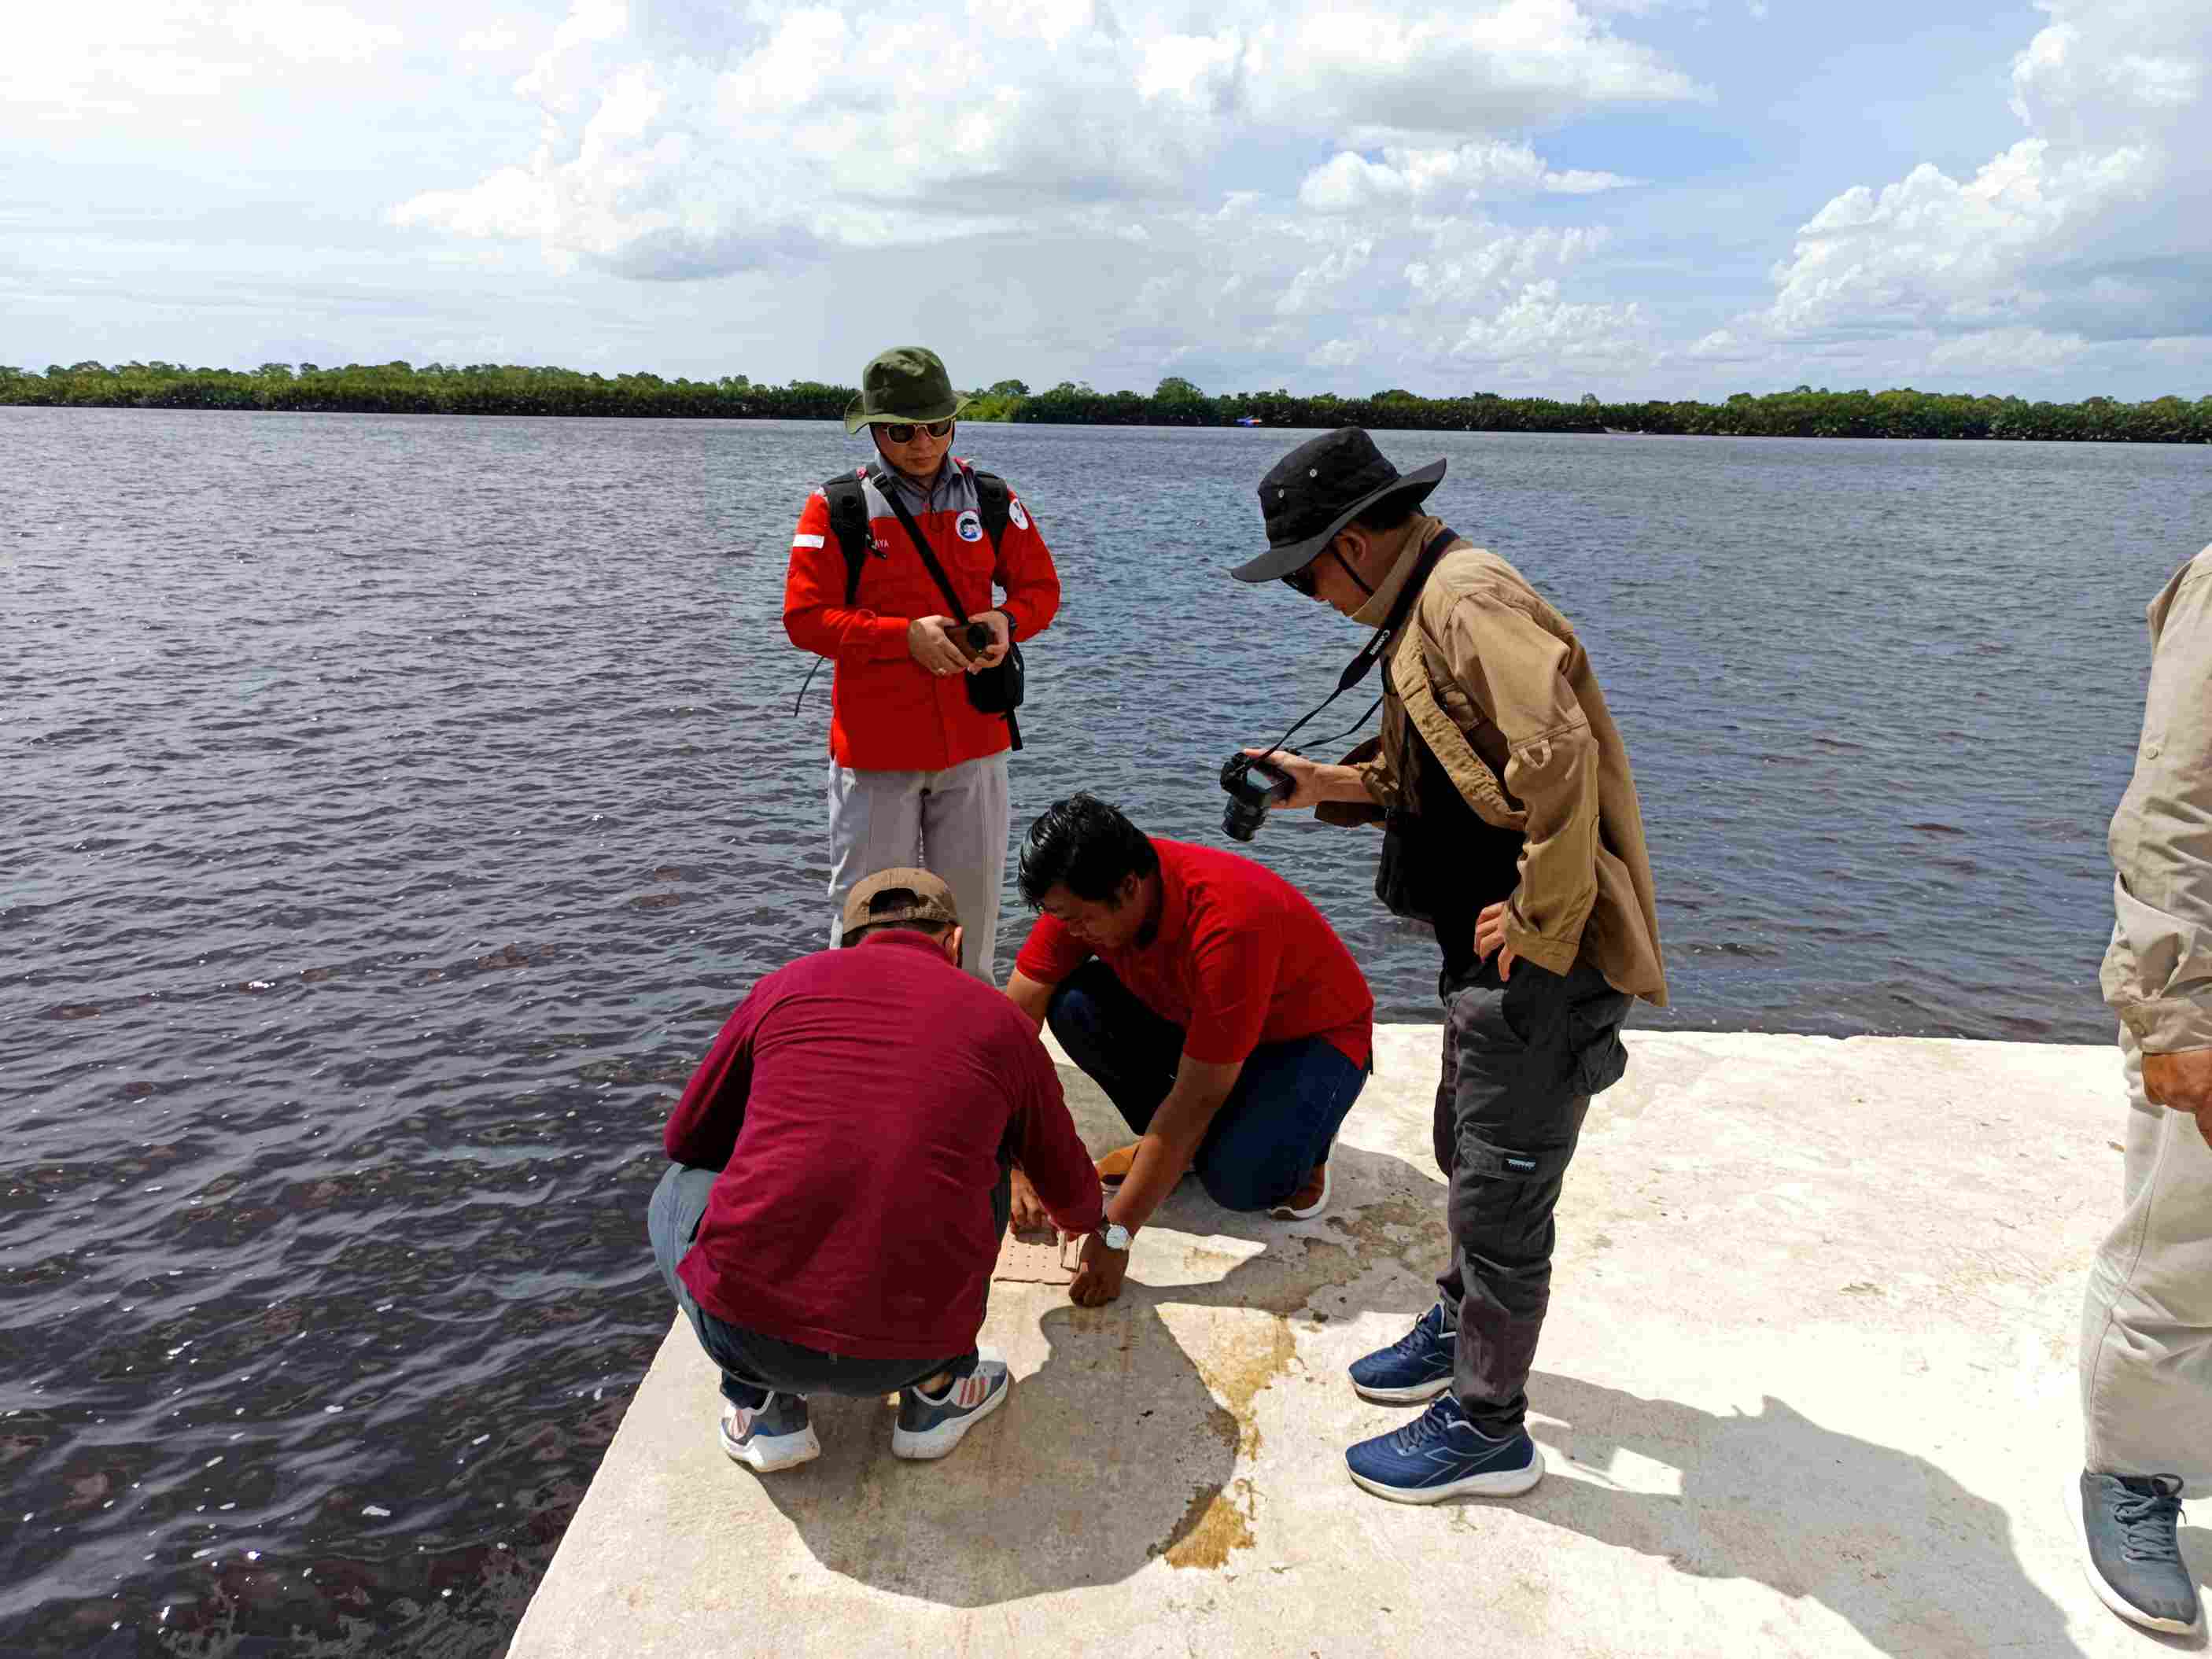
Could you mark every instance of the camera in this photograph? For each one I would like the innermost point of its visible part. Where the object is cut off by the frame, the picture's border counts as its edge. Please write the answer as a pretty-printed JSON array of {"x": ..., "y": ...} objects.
[
  {"x": 1253, "y": 787},
  {"x": 972, "y": 638}
]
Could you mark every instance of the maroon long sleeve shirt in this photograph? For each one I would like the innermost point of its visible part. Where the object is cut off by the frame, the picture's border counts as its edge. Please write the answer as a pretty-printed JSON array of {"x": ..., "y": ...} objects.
[{"x": 858, "y": 1105}]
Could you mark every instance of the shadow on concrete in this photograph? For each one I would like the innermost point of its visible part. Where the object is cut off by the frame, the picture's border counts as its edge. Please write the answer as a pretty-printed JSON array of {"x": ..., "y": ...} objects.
[
  {"x": 1117, "y": 1450},
  {"x": 1915, "y": 1562}
]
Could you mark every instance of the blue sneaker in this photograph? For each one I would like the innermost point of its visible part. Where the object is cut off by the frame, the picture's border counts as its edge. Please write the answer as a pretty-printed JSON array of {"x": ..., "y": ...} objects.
[
  {"x": 931, "y": 1425},
  {"x": 1418, "y": 1366},
  {"x": 774, "y": 1435},
  {"x": 1440, "y": 1455}
]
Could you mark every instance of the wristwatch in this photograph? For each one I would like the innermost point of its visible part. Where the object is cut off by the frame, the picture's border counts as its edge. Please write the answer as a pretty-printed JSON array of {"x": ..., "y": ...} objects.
[{"x": 1113, "y": 1235}]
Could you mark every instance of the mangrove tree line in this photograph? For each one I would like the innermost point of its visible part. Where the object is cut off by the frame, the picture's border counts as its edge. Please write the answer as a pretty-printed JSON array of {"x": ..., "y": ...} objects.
[{"x": 400, "y": 388}]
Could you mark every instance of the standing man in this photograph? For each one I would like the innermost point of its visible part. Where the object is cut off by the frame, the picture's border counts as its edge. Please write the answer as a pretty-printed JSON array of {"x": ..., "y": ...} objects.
[
  {"x": 1512, "y": 827},
  {"x": 917, "y": 772},
  {"x": 2147, "y": 1325},
  {"x": 1212, "y": 1002},
  {"x": 836, "y": 1187}
]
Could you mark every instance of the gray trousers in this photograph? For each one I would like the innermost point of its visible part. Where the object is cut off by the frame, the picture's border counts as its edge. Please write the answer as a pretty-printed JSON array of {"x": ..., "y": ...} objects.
[
  {"x": 952, "y": 824},
  {"x": 2147, "y": 1323},
  {"x": 1522, "y": 1058}
]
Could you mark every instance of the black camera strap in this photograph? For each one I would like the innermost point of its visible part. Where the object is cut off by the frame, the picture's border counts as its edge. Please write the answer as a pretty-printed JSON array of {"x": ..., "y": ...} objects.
[{"x": 1371, "y": 653}]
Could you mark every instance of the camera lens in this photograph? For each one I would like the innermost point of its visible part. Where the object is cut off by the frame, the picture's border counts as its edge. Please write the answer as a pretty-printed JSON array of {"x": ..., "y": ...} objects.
[{"x": 1241, "y": 819}]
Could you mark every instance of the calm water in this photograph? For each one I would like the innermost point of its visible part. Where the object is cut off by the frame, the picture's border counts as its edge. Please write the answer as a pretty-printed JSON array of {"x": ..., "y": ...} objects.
[{"x": 392, "y": 809}]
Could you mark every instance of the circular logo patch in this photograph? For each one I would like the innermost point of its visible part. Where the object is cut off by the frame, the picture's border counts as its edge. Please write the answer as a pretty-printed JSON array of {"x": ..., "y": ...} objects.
[
  {"x": 1014, "y": 512},
  {"x": 970, "y": 527}
]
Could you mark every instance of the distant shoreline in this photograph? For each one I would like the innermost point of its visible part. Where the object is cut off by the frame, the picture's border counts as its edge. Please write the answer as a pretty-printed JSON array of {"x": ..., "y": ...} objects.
[{"x": 491, "y": 389}]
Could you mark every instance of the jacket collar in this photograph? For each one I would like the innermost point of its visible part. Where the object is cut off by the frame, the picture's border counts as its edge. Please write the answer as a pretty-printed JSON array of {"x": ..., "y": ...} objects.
[
  {"x": 1377, "y": 611},
  {"x": 905, "y": 939},
  {"x": 924, "y": 497}
]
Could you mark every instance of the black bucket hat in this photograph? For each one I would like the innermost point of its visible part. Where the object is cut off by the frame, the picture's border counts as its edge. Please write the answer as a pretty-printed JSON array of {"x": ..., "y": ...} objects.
[
  {"x": 1319, "y": 487},
  {"x": 904, "y": 386}
]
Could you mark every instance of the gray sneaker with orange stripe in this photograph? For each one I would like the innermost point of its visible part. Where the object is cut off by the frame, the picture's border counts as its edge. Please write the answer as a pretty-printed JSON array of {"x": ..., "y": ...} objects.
[{"x": 931, "y": 1425}]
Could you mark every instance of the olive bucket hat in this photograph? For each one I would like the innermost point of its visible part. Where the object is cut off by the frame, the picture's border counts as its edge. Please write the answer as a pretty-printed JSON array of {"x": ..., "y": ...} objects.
[
  {"x": 904, "y": 385},
  {"x": 1319, "y": 487}
]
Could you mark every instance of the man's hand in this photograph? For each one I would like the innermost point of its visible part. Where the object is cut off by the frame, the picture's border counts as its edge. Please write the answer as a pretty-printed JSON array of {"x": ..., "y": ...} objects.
[
  {"x": 1002, "y": 640},
  {"x": 1489, "y": 936},
  {"x": 1028, "y": 1213},
  {"x": 2182, "y": 1082},
  {"x": 1312, "y": 781},
  {"x": 1098, "y": 1280},
  {"x": 929, "y": 644}
]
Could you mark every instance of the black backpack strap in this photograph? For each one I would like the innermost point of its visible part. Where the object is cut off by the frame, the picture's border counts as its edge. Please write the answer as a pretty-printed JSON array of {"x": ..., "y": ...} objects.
[
  {"x": 990, "y": 493},
  {"x": 849, "y": 522}
]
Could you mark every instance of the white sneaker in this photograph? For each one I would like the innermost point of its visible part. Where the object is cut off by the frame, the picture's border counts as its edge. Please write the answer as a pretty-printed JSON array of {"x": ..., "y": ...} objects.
[
  {"x": 776, "y": 1434},
  {"x": 930, "y": 1426}
]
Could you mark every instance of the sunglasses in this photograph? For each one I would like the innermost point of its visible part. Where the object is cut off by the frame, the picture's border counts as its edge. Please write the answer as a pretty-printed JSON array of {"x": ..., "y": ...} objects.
[
  {"x": 903, "y": 434},
  {"x": 1304, "y": 581}
]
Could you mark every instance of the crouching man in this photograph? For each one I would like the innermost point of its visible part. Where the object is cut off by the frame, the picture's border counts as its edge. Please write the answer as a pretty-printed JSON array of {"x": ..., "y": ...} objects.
[
  {"x": 1221, "y": 1015},
  {"x": 839, "y": 1188}
]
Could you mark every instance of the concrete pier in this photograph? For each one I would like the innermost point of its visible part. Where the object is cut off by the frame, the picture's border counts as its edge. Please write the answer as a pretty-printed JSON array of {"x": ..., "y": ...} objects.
[{"x": 1808, "y": 1387}]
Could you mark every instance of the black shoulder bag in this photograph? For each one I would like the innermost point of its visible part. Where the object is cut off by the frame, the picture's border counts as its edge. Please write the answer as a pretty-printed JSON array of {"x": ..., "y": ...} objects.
[{"x": 996, "y": 690}]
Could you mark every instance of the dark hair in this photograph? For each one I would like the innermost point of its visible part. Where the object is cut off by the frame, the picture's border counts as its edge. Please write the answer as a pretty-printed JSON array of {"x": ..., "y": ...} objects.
[
  {"x": 1390, "y": 512},
  {"x": 1086, "y": 846},
  {"x": 891, "y": 898}
]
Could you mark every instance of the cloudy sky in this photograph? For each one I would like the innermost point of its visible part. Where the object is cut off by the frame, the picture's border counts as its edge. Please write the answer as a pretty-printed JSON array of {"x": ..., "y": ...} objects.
[{"x": 1637, "y": 198}]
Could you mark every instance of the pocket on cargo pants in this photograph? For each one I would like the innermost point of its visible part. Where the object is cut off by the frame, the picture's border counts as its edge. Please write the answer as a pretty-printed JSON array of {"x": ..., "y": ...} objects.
[{"x": 1500, "y": 1213}]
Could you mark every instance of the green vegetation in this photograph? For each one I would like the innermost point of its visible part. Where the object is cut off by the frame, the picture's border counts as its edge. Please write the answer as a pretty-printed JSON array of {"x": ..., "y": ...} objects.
[
  {"x": 494, "y": 389},
  {"x": 434, "y": 389}
]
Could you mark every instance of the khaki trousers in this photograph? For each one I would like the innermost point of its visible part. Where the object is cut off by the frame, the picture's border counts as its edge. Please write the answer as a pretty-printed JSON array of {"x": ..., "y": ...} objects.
[
  {"x": 2146, "y": 1325},
  {"x": 952, "y": 824}
]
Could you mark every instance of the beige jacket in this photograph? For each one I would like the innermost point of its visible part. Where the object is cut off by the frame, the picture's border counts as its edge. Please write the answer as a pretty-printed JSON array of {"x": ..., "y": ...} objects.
[
  {"x": 1501, "y": 691},
  {"x": 2158, "y": 971}
]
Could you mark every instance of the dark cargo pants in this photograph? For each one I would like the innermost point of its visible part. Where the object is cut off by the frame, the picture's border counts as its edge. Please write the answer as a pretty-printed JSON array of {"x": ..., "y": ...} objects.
[{"x": 1521, "y": 1060}]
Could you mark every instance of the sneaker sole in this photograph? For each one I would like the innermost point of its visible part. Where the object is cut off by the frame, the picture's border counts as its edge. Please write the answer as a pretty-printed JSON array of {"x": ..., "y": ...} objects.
[
  {"x": 1285, "y": 1213},
  {"x": 765, "y": 1454},
  {"x": 1420, "y": 1394},
  {"x": 2111, "y": 1598},
  {"x": 1506, "y": 1483},
  {"x": 927, "y": 1445}
]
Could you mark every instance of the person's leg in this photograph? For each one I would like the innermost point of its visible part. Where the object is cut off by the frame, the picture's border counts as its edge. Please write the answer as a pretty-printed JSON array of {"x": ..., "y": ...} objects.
[
  {"x": 965, "y": 817},
  {"x": 1525, "y": 1056},
  {"x": 1278, "y": 1122},
  {"x": 2147, "y": 1322},
  {"x": 764, "y": 1420},
  {"x": 1520, "y": 1094},
  {"x": 671, "y": 1217},
  {"x": 2146, "y": 1370},
  {"x": 875, "y": 823},
  {"x": 1122, "y": 1046}
]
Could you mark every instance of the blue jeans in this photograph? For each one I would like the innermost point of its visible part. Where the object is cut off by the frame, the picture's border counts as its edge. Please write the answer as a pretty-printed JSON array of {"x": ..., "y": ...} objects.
[
  {"x": 1278, "y": 1122},
  {"x": 753, "y": 1362}
]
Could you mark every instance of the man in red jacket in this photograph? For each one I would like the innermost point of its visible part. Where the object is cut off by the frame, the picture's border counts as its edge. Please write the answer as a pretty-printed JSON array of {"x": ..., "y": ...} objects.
[
  {"x": 839, "y": 1181},
  {"x": 917, "y": 773}
]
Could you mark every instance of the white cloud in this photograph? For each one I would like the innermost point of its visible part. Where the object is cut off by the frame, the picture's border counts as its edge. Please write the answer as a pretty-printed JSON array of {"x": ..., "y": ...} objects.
[
  {"x": 109, "y": 58},
  {"x": 298, "y": 32},
  {"x": 2096, "y": 225},
  {"x": 1349, "y": 182},
  {"x": 1539, "y": 328},
  {"x": 679, "y": 143}
]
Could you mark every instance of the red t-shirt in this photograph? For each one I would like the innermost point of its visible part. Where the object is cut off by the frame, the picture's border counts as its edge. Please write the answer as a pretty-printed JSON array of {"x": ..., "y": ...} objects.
[
  {"x": 857, "y": 1102},
  {"x": 1240, "y": 957}
]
